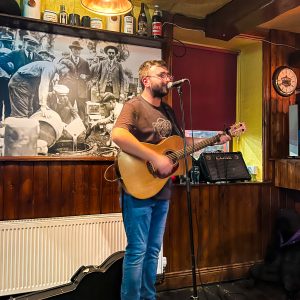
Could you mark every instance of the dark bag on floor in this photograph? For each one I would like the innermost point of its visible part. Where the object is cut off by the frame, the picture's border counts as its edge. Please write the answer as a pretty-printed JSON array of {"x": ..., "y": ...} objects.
[{"x": 282, "y": 260}]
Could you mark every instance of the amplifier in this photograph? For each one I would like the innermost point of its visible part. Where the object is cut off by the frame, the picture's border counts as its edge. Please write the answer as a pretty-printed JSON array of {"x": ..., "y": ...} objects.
[{"x": 223, "y": 166}]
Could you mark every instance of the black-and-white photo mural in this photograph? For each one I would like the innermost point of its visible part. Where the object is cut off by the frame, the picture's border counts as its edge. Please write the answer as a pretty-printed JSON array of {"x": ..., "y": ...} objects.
[{"x": 60, "y": 95}]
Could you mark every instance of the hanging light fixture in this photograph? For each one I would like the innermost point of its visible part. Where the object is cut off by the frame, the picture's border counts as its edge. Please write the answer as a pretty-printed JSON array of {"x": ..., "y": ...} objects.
[{"x": 107, "y": 7}]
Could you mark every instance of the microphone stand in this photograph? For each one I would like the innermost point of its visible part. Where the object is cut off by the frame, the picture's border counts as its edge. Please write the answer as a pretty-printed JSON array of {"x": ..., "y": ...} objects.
[{"x": 188, "y": 196}]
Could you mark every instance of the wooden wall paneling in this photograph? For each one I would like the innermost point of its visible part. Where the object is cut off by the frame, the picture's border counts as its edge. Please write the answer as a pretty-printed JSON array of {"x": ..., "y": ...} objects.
[
  {"x": 55, "y": 189},
  {"x": 215, "y": 243},
  {"x": 27, "y": 182},
  {"x": 40, "y": 189},
  {"x": 282, "y": 46},
  {"x": 94, "y": 188},
  {"x": 11, "y": 184},
  {"x": 287, "y": 173},
  {"x": 176, "y": 239},
  {"x": 81, "y": 188},
  {"x": 204, "y": 229},
  {"x": 240, "y": 223},
  {"x": 288, "y": 198},
  {"x": 228, "y": 228},
  {"x": 266, "y": 126},
  {"x": 68, "y": 189},
  {"x": 110, "y": 194}
]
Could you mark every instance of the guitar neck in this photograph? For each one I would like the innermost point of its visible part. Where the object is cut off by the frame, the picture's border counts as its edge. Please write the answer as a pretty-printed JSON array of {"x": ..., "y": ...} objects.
[{"x": 193, "y": 148}]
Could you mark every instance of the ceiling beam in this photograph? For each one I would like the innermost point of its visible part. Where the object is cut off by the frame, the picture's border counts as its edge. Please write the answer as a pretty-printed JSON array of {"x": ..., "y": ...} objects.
[{"x": 241, "y": 16}]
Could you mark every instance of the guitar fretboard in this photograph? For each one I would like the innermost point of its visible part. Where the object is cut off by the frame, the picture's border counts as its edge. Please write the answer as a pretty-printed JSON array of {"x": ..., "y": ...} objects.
[{"x": 193, "y": 148}]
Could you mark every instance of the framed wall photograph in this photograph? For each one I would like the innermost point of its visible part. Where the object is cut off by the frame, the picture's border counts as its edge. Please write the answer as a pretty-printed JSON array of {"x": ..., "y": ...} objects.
[{"x": 60, "y": 95}]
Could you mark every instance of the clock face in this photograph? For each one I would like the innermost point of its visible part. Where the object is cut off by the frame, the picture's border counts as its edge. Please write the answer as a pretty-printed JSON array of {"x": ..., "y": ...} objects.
[{"x": 284, "y": 81}]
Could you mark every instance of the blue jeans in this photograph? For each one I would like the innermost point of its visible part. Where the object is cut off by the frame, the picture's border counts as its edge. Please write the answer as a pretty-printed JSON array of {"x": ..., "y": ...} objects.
[{"x": 144, "y": 222}]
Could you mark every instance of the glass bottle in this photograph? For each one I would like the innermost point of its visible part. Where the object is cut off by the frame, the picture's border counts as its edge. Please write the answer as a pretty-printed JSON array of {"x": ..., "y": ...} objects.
[
  {"x": 157, "y": 22},
  {"x": 129, "y": 23},
  {"x": 142, "y": 22},
  {"x": 62, "y": 16}
]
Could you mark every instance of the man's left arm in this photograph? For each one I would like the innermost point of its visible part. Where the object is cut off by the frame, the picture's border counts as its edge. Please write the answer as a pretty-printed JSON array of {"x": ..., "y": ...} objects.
[{"x": 224, "y": 138}]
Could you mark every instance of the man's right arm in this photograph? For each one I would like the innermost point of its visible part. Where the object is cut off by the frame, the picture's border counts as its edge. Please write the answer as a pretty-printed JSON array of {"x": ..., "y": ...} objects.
[
  {"x": 6, "y": 62},
  {"x": 128, "y": 143}
]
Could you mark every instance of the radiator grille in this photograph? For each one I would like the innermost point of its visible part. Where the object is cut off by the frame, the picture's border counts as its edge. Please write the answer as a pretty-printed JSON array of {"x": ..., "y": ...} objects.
[{"x": 41, "y": 253}]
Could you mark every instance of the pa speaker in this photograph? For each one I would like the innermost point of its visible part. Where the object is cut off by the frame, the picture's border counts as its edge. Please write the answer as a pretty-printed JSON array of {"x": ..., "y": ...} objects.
[{"x": 223, "y": 166}]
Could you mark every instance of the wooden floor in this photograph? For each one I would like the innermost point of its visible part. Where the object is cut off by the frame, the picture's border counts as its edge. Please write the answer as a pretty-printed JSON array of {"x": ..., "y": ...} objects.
[{"x": 238, "y": 290}]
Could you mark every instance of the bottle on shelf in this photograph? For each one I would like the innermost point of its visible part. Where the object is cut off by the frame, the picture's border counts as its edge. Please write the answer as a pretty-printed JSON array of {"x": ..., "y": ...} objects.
[
  {"x": 32, "y": 9},
  {"x": 113, "y": 23},
  {"x": 157, "y": 22},
  {"x": 142, "y": 22},
  {"x": 129, "y": 23},
  {"x": 63, "y": 16}
]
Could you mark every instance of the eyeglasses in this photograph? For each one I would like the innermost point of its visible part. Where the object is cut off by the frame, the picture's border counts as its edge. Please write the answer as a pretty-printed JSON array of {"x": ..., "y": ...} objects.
[{"x": 163, "y": 76}]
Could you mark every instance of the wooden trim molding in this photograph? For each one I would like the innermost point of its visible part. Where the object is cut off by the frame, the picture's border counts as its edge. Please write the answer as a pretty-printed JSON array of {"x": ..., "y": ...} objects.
[{"x": 182, "y": 279}]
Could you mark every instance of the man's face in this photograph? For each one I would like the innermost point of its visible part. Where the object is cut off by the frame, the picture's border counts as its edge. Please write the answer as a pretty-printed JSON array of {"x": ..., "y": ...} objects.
[
  {"x": 111, "y": 54},
  {"x": 158, "y": 78},
  {"x": 30, "y": 46},
  {"x": 76, "y": 52},
  {"x": 62, "y": 99}
]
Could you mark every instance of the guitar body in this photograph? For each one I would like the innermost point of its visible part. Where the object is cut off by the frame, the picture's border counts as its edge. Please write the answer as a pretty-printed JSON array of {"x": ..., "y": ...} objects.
[{"x": 135, "y": 175}]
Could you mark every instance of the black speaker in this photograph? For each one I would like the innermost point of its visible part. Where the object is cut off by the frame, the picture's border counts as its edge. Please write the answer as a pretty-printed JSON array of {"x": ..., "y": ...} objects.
[{"x": 223, "y": 166}]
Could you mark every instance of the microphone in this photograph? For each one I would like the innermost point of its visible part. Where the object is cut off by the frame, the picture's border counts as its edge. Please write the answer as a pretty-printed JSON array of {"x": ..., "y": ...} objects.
[{"x": 176, "y": 83}]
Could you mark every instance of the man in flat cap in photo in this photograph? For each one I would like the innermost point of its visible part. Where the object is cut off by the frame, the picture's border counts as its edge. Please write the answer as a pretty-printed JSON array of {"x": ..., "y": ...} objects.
[
  {"x": 22, "y": 57},
  {"x": 77, "y": 81},
  {"x": 110, "y": 74}
]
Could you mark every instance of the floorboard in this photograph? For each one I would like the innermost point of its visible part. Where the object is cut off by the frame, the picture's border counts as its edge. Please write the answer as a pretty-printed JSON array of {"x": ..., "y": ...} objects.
[{"x": 237, "y": 290}]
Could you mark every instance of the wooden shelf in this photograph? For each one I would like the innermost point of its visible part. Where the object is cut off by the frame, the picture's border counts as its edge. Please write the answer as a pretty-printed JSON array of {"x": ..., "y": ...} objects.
[
  {"x": 287, "y": 174},
  {"x": 78, "y": 31}
]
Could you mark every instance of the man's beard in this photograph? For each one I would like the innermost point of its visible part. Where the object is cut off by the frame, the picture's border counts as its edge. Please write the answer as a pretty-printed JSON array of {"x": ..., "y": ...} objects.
[{"x": 159, "y": 92}]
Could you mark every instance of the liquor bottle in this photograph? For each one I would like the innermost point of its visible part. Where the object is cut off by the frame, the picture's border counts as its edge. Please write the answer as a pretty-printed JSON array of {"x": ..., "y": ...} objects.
[
  {"x": 142, "y": 22},
  {"x": 157, "y": 22},
  {"x": 129, "y": 23},
  {"x": 63, "y": 16}
]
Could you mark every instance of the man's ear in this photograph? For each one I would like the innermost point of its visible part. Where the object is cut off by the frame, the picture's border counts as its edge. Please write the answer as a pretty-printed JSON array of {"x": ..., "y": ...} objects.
[{"x": 145, "y": 81}]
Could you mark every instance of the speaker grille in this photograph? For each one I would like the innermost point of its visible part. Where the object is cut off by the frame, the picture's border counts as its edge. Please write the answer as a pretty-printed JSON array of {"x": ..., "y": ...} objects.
[{"x": 227, "y": 166}]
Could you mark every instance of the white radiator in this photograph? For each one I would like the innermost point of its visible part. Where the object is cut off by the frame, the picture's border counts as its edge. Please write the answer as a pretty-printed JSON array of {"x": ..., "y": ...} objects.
[{"x": 37, "y": 254}]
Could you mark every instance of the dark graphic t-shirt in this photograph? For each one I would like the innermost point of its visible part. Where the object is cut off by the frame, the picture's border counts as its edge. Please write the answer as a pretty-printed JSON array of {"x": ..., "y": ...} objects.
[{"x": 149, "y": 124}]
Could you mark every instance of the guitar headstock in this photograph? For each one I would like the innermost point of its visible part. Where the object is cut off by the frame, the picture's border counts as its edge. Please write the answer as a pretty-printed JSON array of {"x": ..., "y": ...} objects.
[{"x": 236, "y": 129}]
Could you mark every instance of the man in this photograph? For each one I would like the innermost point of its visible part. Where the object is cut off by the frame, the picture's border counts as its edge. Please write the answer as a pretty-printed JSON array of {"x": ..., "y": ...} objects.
[
  {"x": 29, "y": 86},
  {"x": 58, "y": 100},
  {"x": 146, "y": 119},
  {"x": 6, "y": 45},
  {"x": 77, "y": 83},
  {"x": 110, "y": 74},
  {"x": 22, "y": 57},
  {"x": 46, "y": 55}
]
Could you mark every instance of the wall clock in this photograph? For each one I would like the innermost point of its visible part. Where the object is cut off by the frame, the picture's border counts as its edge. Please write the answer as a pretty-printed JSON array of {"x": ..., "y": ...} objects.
[{"x": 284, "y": 81}]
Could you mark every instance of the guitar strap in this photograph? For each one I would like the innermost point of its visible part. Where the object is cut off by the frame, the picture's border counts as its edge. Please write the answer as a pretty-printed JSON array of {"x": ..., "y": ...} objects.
[{"x": 170, "y": 115}]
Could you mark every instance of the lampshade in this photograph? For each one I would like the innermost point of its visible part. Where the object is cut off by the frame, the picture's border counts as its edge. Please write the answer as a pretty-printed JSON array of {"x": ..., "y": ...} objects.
[{"x": 107, "y": 7}]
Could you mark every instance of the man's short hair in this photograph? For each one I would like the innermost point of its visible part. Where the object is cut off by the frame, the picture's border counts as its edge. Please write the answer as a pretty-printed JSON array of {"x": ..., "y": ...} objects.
[{"x": 145, "y": 67}]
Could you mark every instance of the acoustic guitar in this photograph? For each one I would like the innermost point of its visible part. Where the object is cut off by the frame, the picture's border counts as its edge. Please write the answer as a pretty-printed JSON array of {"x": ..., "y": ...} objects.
[{"x": 140, "y": 179}]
